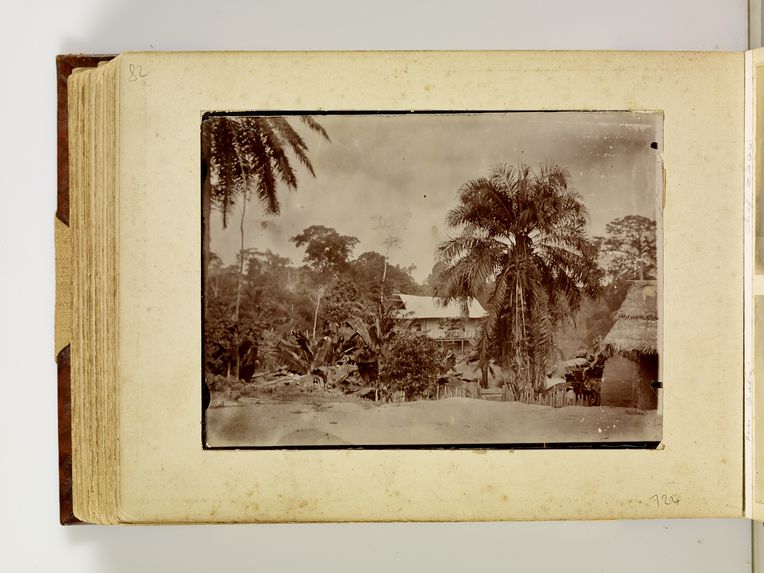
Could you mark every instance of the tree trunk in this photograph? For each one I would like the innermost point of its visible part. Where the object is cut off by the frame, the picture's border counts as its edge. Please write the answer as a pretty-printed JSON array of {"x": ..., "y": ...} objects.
[
  {"x": 382, "y": 286},
  {"x": 483, "y": 363},
  {"x": 315, "y": 314},
  {"x": 236, "y": 339}
]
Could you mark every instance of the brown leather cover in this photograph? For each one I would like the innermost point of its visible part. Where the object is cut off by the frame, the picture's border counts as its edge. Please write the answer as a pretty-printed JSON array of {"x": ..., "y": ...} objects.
[{"x": 64, "y": 66}]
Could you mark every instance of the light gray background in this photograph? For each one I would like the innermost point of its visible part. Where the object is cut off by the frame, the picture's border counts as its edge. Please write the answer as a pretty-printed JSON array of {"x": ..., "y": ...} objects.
[{"x": 31, "y": 33}]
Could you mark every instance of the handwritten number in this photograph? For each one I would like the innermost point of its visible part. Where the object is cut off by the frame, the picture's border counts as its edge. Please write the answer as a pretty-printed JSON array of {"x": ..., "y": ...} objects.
[
  {"x": 136, "y": 72},
  {"x": 661, "y": 500}
]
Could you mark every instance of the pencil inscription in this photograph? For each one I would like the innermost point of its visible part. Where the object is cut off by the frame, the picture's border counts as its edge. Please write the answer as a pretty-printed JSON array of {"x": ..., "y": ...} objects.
[
  {"x": 664, "y": 499},
  {"x": 136, "y": 72}
]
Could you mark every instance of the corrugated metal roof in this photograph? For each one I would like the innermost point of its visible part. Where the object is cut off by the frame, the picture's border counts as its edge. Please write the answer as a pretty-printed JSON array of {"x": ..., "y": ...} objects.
[{"x": 431, "y": 307}]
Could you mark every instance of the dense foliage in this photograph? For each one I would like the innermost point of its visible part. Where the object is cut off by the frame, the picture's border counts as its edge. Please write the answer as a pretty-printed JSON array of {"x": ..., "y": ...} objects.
[
  {"x": 412, "y": 363},
  {"x": 278, "y": 298}
]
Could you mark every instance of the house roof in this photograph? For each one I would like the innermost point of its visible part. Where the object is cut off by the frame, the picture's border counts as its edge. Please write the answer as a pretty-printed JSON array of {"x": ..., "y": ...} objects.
[
  {"x": 432, "y": 307},
  {"x": 636, "y": 325}
]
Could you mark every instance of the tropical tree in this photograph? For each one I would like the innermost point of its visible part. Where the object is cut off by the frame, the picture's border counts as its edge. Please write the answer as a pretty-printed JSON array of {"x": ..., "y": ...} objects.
[
  {"x": 629, "y": 248},
  {"x": 388, "y": 226},
  {"x": 326, "y": 251},
  {"x": 522, "y": 237},
  {"x": 374, "y": 338},
  {"x": 371, "y": 271},
  {"x": 244, "y": 156}
]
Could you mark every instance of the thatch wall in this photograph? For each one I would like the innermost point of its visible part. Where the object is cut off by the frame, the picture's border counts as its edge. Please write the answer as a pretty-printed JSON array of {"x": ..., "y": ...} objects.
[
  {"x": 629, "y": 383},
  {"x": 632, "y": 350}
]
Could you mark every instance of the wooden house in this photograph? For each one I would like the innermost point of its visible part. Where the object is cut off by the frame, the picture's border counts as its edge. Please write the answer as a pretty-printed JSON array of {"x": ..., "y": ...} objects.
[{"x": 448, "y": 323}]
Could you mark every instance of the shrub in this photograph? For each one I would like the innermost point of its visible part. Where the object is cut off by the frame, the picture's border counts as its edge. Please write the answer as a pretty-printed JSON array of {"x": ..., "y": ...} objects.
[
  {"x": 412, "y": 364},
  {"x": 216, "y": 382},
  {"x": 231, "y": 387}
]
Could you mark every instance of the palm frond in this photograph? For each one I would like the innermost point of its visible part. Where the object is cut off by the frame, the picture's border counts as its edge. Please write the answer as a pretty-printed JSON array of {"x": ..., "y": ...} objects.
[
  {"x": 315, "y": 126},
  {"x": 276, "y": 152},
  {"x": 293, "y": 139},
  {"x": 251, "y": 153},
  {"x": 257, "y": 162}
]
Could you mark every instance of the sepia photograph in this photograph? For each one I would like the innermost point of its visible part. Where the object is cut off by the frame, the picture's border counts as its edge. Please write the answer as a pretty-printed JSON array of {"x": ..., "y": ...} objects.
[{"x": 431, "y": 279}]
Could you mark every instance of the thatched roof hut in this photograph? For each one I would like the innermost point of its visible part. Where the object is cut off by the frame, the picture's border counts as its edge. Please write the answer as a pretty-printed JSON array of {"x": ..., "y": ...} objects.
[
  {"x": 636, "y": 325},
  {"x": 630, "y": 375}
]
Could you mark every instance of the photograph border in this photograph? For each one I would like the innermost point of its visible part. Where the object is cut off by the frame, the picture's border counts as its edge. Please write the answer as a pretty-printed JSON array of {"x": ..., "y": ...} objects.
[{"x": 550, "y": 445}]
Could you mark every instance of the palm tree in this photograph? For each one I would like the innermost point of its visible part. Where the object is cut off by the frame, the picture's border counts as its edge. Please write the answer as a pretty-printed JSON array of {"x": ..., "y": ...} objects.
[
  {"x": 242, "y": 156},
  {"x": 522, "y": 241}
]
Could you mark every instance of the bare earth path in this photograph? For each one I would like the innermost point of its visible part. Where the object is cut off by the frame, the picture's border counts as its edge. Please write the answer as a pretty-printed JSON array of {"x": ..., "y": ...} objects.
[{"x": 441, "y": 422}]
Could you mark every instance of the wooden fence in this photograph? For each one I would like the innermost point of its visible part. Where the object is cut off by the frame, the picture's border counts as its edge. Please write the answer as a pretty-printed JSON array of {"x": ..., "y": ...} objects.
[
  {"x": 557, "y": 397},
  {"x": 457, "y": 391},
  {"x": 397, "y": 397}
]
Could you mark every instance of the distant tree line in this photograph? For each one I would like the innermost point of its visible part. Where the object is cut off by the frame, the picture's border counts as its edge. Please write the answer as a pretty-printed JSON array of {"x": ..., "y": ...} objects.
[{"x": 277, "y": 297}]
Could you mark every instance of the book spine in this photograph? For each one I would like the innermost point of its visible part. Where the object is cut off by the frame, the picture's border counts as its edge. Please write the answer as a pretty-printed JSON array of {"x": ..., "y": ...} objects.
[{"x": 65, "y": 65}]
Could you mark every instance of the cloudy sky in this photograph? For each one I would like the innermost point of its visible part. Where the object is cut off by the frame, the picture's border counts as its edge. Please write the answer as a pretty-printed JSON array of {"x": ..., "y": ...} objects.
[{"x": 401, "y": 174}]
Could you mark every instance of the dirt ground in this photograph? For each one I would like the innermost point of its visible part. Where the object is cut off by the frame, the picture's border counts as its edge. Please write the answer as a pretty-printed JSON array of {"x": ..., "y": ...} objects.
[{"x": 314, "y": 421}]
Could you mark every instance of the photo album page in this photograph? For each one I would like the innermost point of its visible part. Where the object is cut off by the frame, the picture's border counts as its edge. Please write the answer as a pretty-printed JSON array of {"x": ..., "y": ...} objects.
[{"x": 430, "y": 286}]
